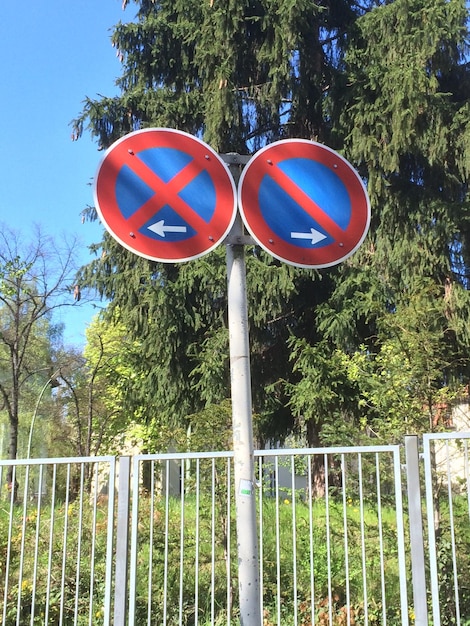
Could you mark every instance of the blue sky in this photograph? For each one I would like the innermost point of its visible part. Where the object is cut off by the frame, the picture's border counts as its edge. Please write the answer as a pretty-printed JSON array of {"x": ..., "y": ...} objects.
[{"x": 53, "y": 55}]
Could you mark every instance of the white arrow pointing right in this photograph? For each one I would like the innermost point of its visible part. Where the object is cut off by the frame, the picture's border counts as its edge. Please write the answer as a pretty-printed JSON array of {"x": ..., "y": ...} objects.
[{"x": 314, "y": 235}]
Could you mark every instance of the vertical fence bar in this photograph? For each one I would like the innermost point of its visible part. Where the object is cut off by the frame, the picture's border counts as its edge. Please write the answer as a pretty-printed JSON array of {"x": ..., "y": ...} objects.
[
  {"x": 400, "y": 536},
  {"x": 64, "y": 545},
  {"x": 51, "y": 540},
  {"x": 345, "y": 537},
  {"x": 121, "y": 578},
  {"x": 151, "y": 529},
  {"x": 260, "y": 477},
  {"x": 328, "y": 539},
  {"x": 8, "y": 555},
  {"x": 165, "y": 551},
  {"x": 36, "y": 546},
  {"x": 467, "y": 475},
  {"x": 213, "y": 540},
  {"x": 79, "y": 545},
  {"x": 452, "y": 535},
  {"x": 310, "y": 539},
  {"x": 294, "y": 537},
  {"x": 381, "y": 539},
  {"x": 181, "y": 563},
  {"x": 196, "y": 547},
  {"x": 278, "y": 539},
  {"x": 93, "y": 542},
  {"x": 109, "y": 542},
  {"x": 433, "y": 571},
  {"x": 229, "y": 544},
  {"x": 22, "y": 550},
  {"x": 363, "y": 542},
  {"x": 415, "y": 516}
]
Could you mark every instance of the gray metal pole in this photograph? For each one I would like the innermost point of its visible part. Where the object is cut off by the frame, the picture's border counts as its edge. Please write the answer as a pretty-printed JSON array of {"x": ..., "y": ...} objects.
[
  {"x": 418, "y": 565},
  {"x": 245, "y": 497}
]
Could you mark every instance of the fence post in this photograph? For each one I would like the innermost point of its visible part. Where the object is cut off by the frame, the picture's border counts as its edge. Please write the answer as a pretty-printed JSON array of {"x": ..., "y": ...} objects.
[
  {"x": 418, "y": 569},
  {"x": 121, "y": 577}
]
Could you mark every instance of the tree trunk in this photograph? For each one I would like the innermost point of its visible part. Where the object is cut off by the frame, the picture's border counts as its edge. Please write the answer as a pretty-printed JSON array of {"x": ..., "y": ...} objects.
[
  {"x": 318, "y": 465},
  {"x": 12, "y": 452}
]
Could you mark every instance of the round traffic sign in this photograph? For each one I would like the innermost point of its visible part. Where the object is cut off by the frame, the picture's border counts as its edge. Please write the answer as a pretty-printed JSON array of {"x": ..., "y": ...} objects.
[
  {"x": 304, "y": 203},
  {"x": 165, "y": 195}
]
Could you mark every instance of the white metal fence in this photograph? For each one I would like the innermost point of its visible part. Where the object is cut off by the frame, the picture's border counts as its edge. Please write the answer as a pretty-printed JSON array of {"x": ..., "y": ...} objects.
[
  {"x": 447, "y": 482},
  {"x": 56, "y": 541},
  {"x": 151, "y": 539}
]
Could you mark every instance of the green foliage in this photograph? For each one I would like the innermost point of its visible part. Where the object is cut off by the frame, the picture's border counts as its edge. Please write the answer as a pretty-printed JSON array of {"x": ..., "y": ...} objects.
[
  {"x": 325, "y": 395},
  {"x": 11, "y": 273},
  {"x": 239, "y": 72},
  {"x": 405, "y": 120},
  {"x": 407, "y": 379},
  {"x": 177, "y": 315},
  {"x": 109, "y": 355},
  {"x": 403, "y": 61}
]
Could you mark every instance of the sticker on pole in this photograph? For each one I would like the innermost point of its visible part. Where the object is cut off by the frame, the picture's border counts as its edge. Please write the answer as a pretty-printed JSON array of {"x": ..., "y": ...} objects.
[
  {"x": 246, "y": 487},
  {"x": 304, "y": 203},
  {"x": 165, "y": 195}
]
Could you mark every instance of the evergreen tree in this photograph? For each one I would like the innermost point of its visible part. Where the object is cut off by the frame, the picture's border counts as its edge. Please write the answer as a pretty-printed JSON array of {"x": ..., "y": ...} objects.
[
  {"x": 387, "y": 84},
  {"x": 405, "y": 124}
]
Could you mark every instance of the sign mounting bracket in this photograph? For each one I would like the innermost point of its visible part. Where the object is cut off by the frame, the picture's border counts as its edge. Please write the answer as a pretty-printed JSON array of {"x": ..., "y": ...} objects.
[{"x": 237, "y": 235}]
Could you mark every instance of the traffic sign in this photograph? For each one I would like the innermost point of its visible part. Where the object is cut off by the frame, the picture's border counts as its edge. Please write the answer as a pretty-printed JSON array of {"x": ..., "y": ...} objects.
[
  {"x": 304, "y": 203},
  {"x": 165, "y": 195}
]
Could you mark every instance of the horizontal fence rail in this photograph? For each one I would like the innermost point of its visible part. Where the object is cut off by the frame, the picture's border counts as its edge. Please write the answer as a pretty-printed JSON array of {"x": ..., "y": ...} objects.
[{"x": 345, "y": 537}]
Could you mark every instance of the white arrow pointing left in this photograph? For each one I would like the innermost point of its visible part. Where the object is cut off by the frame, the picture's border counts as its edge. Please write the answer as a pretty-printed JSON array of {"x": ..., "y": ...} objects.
[
  {"x": 160, "y": 229},
  {"x": 314, "y": 235}
]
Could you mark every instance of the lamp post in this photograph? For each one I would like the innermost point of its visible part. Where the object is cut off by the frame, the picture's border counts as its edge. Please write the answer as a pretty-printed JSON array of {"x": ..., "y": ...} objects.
[{"x": 33, "y": 419}]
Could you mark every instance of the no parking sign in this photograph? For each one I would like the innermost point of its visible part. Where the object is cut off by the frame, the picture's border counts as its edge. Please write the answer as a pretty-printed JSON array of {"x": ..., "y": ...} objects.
[
  {"x": 304, "y": 203},
  {"x": 165, "y": 195}
]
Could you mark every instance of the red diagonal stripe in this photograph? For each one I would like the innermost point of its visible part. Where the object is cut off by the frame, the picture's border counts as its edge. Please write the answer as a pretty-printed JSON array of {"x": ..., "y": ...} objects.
[{"x": 306, "y": 203}]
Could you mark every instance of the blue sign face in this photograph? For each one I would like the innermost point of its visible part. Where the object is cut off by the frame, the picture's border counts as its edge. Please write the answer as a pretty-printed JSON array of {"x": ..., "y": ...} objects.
[
  {"x": 287, "y": 218},
  {"x": 165, "y": 195},
  {"x": 132, "y": 192},
  {"x": 304, "y": 203}
]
